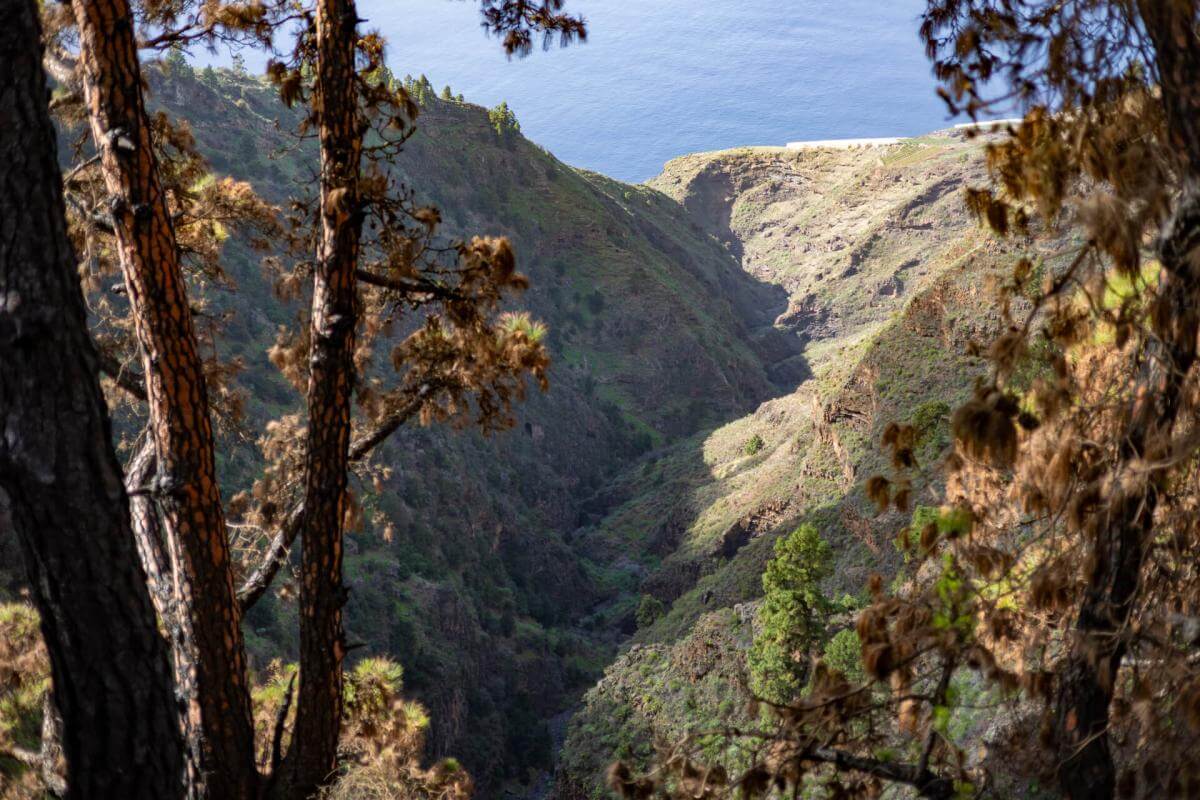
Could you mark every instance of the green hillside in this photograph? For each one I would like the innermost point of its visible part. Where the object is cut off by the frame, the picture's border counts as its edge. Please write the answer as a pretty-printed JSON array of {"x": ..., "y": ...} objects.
[
  {"x": 655, "y": 333},
  {"x": 885, "y": 274}
]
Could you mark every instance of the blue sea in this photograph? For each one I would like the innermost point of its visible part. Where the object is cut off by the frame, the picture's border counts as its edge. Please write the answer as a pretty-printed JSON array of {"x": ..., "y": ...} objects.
[{"x": 662, "y": 78}]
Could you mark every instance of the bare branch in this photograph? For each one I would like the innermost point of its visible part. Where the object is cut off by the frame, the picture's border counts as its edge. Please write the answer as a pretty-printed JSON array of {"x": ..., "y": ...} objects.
[
  {"x": 61, "y": 66},
  {"x": 256, "y": 585},
  {"x": 407, "y": 287},
  {"x": 147, "y": 531},
  {"x": 927, "y": 784},
  {"x": 280, "y": 724},
  {"x": 129, "y": 380}
]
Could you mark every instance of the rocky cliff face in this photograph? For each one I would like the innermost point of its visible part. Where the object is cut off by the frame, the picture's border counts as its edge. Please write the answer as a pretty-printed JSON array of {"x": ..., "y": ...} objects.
[{"x": 861, "y": 241}]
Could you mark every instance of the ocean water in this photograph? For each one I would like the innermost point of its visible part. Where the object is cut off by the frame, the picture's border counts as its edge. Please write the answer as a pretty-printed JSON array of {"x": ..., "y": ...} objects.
[{"x": 662, "y": 78}]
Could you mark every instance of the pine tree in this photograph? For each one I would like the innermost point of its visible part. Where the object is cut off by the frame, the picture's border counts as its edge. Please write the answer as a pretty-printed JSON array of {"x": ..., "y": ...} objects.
[
  {"x": 789, "y": 621},
  {"x": 504, "y": 121},
  {"x": 209, "y": 654},
  {"x": 60, "y": 482},
  {"x": 177, "y": 64},
  {"x": 331, "y": 378}
]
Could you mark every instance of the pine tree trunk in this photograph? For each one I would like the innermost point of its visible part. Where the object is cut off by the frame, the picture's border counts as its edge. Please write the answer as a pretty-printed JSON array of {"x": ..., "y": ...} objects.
[
  {"x": 1086, "y": 683},
  {"x": 59, "y": 477},
  {"x": 209, "y": 654},
  {"x": 331, "y": 380}
]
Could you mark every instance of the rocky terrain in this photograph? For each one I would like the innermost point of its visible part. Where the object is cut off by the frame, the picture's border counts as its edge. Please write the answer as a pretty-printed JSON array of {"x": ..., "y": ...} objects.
[
  {"x": 886, "y": 277},
  {"x": 728, "y": 341}
]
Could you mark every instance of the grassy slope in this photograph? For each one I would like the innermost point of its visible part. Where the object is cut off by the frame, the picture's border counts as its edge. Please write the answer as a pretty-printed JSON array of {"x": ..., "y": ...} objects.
[{"x": 834, "y": 228}]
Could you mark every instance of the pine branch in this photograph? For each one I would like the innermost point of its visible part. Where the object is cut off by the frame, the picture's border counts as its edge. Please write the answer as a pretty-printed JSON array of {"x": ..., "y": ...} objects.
[{"x": 420, "y": 286}]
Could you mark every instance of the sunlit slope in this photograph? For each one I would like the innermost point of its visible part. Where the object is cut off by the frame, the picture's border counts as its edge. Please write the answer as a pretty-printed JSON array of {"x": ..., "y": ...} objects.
[{"x": 892, "y": 281}]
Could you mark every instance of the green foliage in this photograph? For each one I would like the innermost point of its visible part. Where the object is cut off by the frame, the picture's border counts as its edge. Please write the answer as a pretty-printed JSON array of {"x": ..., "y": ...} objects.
[
  {"x": 24, "y": 678},
  {"x": 209, "y": 76},
  {"x": 754, "y": 445},
  {"x": 790, "y": 616},
  {"x": 447, "y": 95},
  {"x": 956, "y": 609},
  {"x": 521, "y": 322},
  {"x": 504, "y": 121},
  {"x": 649, "y": 609},
  {"x": 381, "y": 76},
  {"x": 1036, "y": 362},
  {"x": 930, "y": 418},
  {"x": 1033, "y": 284},
  {"x": 176, "y": 64},
  {"x": 844, "y": 653},
  {"x": 375, "y": 674},
  {"x": 930, "y": 525},
  {"x": 421, "y": 90}
]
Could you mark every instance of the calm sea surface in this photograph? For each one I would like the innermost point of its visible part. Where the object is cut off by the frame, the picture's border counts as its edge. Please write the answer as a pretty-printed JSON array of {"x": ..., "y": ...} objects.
[{"x": 661, "y": 78}]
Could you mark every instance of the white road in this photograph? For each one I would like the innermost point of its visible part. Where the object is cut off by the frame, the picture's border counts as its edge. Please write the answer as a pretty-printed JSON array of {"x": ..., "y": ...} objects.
[{"x": 888, "y": 141}]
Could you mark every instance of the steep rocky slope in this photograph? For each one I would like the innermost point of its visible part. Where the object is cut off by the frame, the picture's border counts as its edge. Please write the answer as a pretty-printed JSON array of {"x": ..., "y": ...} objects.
[
  {"x": 690, "y": 507},
  {"x": 889, "y": 282}
]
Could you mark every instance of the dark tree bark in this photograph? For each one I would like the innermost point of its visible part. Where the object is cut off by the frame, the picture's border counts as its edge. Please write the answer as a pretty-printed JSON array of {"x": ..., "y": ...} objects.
[
  {"x": 59, "y": 476},
  {"x": 208, "y": 647},
  {"x": 1086, "y": 683},
  {"x": 313, "y": 755}
]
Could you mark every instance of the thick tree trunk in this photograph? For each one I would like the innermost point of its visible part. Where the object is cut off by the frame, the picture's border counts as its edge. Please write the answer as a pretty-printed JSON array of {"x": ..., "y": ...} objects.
[
  {"x": 59, "y": 477},
  {"x": 1087, "y": 680},
  {"x": 209, "y": 656},
  {"x": 313, "y": 754}
]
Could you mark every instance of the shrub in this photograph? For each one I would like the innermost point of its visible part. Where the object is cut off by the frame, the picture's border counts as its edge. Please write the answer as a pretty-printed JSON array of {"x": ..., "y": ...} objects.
[
  {"x": 384, "y": 736},
  {"x": 929, "y": 416},
  {"x": 649, "y": 610},
  {"x": 24, "y": 681},
  {"x": 753, "y": 445},
  {"x": 595, "y": 302}
]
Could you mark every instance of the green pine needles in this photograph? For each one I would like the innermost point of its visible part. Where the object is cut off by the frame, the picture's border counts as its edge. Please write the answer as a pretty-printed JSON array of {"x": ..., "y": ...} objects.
[{"x": 789, "y": 621}]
